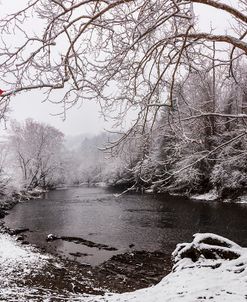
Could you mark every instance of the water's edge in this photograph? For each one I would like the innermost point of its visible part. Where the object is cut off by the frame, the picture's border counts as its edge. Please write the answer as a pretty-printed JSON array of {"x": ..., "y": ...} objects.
[{"x": 121, "y": 273}]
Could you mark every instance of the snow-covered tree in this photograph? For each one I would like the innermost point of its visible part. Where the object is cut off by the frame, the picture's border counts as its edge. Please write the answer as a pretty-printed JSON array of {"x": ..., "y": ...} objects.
[
  {"x": 123, "y": 53},
  {"x": 36, "y": 150},
  {"x": 191, "y": 147},
  {"x": 150, "y": 57}
]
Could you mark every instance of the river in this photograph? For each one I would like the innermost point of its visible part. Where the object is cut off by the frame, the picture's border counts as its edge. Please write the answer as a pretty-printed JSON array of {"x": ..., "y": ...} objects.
[{"x": 127, "y": 223}]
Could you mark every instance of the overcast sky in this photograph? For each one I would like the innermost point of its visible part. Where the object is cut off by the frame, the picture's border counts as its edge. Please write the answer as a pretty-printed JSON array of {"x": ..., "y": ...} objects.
[
  {"x": 86, "y": 118},
  {"x": 80, "y": 119}
]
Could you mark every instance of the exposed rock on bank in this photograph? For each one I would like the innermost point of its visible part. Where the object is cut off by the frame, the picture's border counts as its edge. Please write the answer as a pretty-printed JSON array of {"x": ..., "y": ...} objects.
[
  {"x": 79, "y": 240},
  {"x": 210, "y": 268}
]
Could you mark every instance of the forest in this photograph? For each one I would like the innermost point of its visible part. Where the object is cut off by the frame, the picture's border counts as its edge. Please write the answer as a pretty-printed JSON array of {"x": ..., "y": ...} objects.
[
  {"x": 149, "y": 65},
  {"x": 197, "y": 145}
]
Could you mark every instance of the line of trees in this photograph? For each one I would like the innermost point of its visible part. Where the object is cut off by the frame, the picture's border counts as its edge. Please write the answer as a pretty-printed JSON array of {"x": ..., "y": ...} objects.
[
  {"x": 186, "y": 87},
  {"x": 35, "y": 156},
  {"x": 188, "y": 150}
]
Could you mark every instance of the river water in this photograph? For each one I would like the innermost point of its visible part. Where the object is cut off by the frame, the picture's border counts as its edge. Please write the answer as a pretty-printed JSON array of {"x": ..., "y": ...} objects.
[{"x": 130, "y": 222}]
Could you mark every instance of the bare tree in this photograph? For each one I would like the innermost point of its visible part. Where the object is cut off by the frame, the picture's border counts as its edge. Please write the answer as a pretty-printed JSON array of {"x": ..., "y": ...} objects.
[{"x": 36, "y": 149}]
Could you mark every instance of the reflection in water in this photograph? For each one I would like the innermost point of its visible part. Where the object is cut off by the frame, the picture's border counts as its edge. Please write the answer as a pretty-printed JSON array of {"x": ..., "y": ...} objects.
[{"x": 147, "y": 221}]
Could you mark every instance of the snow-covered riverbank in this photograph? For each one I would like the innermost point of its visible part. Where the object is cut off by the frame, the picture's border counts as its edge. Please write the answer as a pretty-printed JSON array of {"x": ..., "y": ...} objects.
[
  {"x": 28, "y": 275},
  {"x": 202, "y": 280},
  {"x": 16, "y": 262}
]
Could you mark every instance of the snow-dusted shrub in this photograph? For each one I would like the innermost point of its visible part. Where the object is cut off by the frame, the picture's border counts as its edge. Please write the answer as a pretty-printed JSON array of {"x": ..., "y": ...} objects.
[
  {"x": 229, "y": 174},
  {"x": 227, "y": 178},
  {"x": 144, "y": 172},
  {"x": 190, "y": 174},
  {"x": 5, "y": 186},
  {"x": 116, "y": 173}
]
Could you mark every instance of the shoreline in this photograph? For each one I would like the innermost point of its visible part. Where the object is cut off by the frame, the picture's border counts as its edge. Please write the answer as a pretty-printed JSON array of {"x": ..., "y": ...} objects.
[
  {"x": 112, "y": 276},
  {"x": 27, "y": 275},
  {"x": 121, "y": 273}
]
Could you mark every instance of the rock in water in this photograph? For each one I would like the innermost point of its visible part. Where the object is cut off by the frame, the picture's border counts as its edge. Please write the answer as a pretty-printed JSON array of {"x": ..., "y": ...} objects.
[{"x": 51, "y": 237}]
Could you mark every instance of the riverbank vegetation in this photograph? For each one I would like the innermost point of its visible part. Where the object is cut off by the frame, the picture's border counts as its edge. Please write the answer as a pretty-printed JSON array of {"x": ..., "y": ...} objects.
[
  {"x": 187, "y": 151},
  {"x": 31, "y": 159},
  {"x": 199, "y": 144},
  {"x": 184, "y": 88}
]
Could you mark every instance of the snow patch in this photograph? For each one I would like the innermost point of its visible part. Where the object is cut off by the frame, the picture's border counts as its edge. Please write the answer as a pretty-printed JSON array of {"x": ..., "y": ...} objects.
[
  {"x": 11, "y": 251},
  {"x": 210, "y": 196},
  {"x": 242, "y": 199},
  {"x": 16, "y": 262}
]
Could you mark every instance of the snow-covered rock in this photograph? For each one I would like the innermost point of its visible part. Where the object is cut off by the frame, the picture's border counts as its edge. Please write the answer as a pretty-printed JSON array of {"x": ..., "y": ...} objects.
[
  {"x": 207, "y": 246},
  {"x": 242, "y": 199},
  {"x": 51, "y": 237},
  {"x": 205, "y": 279}
]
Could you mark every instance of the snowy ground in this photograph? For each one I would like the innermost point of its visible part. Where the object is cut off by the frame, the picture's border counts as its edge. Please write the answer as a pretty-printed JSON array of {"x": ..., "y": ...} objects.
[
  {"x": 15, "y": 263},
  {"x": 20, "y": 264},
  {"x": 202, "y": 280}
]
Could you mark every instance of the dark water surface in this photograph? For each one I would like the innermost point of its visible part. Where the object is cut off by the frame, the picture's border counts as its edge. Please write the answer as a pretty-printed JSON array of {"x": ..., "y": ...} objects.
[{"x": 148, "y": 222}]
